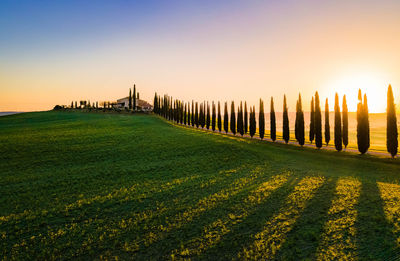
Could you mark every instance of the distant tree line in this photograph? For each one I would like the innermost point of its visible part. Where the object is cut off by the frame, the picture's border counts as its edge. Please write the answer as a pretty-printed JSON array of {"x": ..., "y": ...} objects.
[{"x": 242, "y": 122}]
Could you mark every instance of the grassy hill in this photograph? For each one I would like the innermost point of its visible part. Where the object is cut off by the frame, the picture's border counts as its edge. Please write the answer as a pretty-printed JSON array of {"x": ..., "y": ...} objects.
[{"x": 91, "y": 185}]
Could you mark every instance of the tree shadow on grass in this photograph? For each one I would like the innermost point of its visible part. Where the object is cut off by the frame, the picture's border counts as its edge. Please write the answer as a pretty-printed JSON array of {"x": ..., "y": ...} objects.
[
  {"x": 193, "y": 226},
  {"x": 303, "y": 240},
  {"x": 375, "y": 238},
  {"x": 242, "y": 234}
]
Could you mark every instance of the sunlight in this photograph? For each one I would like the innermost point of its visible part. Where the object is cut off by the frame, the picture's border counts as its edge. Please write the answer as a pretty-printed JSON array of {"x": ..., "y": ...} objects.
[
  {"x": 201, "y": 206},
  {"x": 373, "y": 84},
  {"x": 390, "y": 194},
  {"x": 338, "y": 240},
  {"x": 270, "y": 240},
  {"x": 214, "y": 232}
]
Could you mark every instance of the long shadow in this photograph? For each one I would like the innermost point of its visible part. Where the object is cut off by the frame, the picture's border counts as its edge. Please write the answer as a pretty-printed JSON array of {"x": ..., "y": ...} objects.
[
  {"x": 161, "y": 249},
  {"x": 112, "y": 211},
  {"x": 241, "y": 234},
  {"x": 375, "y": 239},
  {"x": 303, "y": 240}
]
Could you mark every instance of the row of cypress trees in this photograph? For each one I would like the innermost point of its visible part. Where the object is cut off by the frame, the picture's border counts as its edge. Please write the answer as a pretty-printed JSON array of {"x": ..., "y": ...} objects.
[{"x": 242, "y": 122}]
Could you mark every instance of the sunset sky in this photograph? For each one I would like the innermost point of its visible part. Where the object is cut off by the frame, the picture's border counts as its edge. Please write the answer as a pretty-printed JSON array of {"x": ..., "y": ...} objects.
[{"x": 53, "y": 52}]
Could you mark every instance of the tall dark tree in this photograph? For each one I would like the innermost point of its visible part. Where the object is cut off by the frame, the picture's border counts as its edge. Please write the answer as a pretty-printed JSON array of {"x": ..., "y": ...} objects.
[
  {"x": 233, "y": 118},
  {"x": 130, "y": 99},
  {"x": 366, "y": 119},
  {"x": 213, "y": 116},
  {"x": 154, "y": 102},
  {"x": 240, "y": 127},
  {"x": 272, "y": 121},
  {"x": 299, "y": 125},
  {"x": 219, "y": 117},
  {"x": 312, "y": 121},
  {"x": 208, "y": 120},
  {"x": 196, "y": 115},
  {"x": 188, "y": 114},
  {"x": 285, "y": 133},
  {"x": 327, "y": 127},
  {"x": 252, "y": 126},
  {"x": 245, "y": 118},
  {"x": 345, "y": 124},
  {"x": 202, "y": 115},
  {"x": 391, "y": 124},
  {"x": 296, "y": 122},
  {"x": 261, "y": 120},
  {"x": 318, "y": 122},
  {"x": 134, "y": 97},
  {"x": 226, "y": 120},
  {"x": 193, "y": 119},
  {"x": 185, "y": 114},
  {"x": 338, "y": 125},
  {"x": 72, "y": 105},
  {"x": 362, "y": 124}
]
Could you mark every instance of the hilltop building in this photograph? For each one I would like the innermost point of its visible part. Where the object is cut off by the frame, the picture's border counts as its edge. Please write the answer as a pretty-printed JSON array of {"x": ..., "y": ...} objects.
[{"x": 141, "y": 105}]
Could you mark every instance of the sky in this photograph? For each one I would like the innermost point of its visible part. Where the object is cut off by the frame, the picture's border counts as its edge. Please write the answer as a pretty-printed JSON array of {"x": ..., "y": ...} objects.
[{"x": 55, "y": 52}]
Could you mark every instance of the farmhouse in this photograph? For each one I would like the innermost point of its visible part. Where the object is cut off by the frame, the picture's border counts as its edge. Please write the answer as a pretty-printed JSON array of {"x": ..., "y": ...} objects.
[{"x": 141, "y": 105}]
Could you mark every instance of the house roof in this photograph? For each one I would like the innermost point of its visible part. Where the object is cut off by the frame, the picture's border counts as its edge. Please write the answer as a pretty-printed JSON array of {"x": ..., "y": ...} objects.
[{"x": 139, "y": 102}]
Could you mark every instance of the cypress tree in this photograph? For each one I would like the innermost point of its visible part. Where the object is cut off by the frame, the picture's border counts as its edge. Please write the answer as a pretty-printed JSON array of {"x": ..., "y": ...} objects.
[
  {"x": 366, "y": 122},
  {"x": 134, "y": 97},
  {"x": 219, "y": 117},
  {"x": 233, "y": 118},
  {"x": 72, "y": 105},
  {"x": 185, "y": 114},
  {"x": 338, "y": 125},
  {"x": 159, "y": 104},
  {"x": 327, "y": 127},
  {"x": 171, "y": 104},
  {"x": 300, "y": 122},
  {"x": 130, "y": 99},
  {"x": 188, "y": 114},
  {"x": 180, "y": 112},
  {"x": 196, "y": 115},
  {"x": 208, "y": 117},
  {"x": 391, "y": 124},
  {"x": 240, "y": 120},
  {"x": 318, "y": 122},
  {"x": 213, "y": 116},
  {"x": 253, "y": 126},
  {"x": 261, "y": 120},
  {"x": 193, "y": 114},
  {"x": 272, "y": 120},
  {"x": 296, "y": 122},
  {"x": 226, "y": 117},
  {"x": 245, "y": 118},
  {"x": 312, "y": 121},
  {"x": 154, "y": 101},
  {"x": 201, "y": 115},
  {"x": 286, "y": 134},
  {"x": 345, "y": 125},
  {"x": 361, "y": 137}
]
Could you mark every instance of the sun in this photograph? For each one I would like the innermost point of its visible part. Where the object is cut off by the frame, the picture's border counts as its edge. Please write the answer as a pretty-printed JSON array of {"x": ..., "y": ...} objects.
[{"x": 373, "y": 84}]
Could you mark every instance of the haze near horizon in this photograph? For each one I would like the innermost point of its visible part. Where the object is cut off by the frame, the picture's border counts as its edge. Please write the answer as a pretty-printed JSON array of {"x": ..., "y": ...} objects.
[{"x": 58, "y": 52}]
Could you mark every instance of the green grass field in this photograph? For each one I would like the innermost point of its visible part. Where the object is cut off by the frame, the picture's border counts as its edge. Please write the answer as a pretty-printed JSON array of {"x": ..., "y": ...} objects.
[{"x": 101, "y": 186}]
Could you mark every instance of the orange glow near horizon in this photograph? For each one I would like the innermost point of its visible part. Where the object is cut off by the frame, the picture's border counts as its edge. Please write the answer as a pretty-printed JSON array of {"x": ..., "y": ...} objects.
[
  {"x": 370, "y": 83},
  {"x": 202, "y": 50}
]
